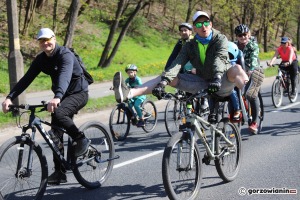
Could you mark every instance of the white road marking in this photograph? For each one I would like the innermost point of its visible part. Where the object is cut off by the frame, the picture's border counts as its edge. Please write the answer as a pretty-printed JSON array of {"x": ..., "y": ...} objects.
[
  {"x": 138, "y": 159},
  {"x": 286, "y": 107}
]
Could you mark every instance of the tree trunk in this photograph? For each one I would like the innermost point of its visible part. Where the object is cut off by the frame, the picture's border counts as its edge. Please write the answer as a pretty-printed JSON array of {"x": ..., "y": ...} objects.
[
  {"x": 55, "y": 7},
  {"x": 75, "y": 5},
  {"x": 189, "y": 11},
  {"x": 31, "y": 4},
  {"x": 112, "y": 31},
  {"x": 122, "y": 34}
]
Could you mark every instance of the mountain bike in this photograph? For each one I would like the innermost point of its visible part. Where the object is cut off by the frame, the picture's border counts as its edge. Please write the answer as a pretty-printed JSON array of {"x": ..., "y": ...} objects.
[
  {"x": 23, "y": 165},
  {"x": 282, "y": 86},
  {"x": 122, "y": 116},
  {"x": 175, "y": 111},
  {"x": 181, "y": 164}
]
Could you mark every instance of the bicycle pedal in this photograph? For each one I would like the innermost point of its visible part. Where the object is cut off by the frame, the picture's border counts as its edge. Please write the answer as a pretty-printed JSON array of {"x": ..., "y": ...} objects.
[{"x": 206, "y": 159}]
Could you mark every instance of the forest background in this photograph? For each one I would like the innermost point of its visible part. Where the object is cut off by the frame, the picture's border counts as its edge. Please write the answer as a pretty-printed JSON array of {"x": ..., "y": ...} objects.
[{"x": 108, "y": 35}]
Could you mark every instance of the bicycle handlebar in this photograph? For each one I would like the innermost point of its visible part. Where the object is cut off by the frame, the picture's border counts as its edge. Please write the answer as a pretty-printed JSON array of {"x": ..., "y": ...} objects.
[
  {"x": 199, "y": 94},
  {"x": 14, "y": 107}
]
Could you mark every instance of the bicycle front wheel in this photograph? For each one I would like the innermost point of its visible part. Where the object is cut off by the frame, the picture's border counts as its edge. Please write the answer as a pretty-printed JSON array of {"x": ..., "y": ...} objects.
[
  {"x": 181, "y": 181},
  {"x": 21, "y": 177},
  {"x": 119, "y": 123},
  {"x": 229, "y": 161},
  {"x": 92, "y": 173},
  {"x": 150, "y": 116},
  {"x": 277, "y": 93},
  {"x": 174, "y": 113}
]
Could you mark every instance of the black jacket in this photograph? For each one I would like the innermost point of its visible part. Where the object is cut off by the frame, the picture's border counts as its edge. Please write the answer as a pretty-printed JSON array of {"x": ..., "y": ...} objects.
[{"x": 63, "y": 68}]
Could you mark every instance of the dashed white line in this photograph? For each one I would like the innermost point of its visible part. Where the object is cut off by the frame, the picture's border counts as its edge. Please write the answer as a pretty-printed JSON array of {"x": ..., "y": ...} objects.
[{"x": 286, "y": 107}]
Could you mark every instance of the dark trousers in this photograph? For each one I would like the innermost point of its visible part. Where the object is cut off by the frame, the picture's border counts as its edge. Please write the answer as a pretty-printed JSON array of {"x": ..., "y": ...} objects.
[{"x": 63, "y": 117}]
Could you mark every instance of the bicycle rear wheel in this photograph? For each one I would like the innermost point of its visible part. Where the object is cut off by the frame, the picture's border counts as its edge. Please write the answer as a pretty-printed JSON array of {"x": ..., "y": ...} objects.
[
  {"x": 16, "y": 180},
  {"x": 93, "y": 173},
  {"x": 119, "y": 123},
  {"x": 229, "y": 162},
  {"x": 181, "y": 181},
  {"x": 174, "y": 112},
  {"x": 150, "y": 116},
  {"x": 277, "y": 93},
  {"x": 261, "y": 113}
]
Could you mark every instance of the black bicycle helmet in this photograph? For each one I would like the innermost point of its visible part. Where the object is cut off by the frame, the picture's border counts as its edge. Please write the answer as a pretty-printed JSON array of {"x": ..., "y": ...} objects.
[
  {"x": 233, "y": 51},
  {"x": 131, "y": 67},
  {"x": 187, "y": 25},
  {"x": 240, "y": 29}
]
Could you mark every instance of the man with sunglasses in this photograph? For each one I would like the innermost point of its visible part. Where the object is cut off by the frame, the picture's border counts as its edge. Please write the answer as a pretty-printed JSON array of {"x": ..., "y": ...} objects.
[
  {"x": 250, "y": 49},
  {"x": 288, "y": 60},
  {"x": 70, "y": 93},
  {"x": 208, "y": 53}
]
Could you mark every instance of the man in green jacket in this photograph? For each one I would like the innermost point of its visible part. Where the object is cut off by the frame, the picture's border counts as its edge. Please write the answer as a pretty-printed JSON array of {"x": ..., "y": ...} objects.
[{"x": 208, "y": 53}]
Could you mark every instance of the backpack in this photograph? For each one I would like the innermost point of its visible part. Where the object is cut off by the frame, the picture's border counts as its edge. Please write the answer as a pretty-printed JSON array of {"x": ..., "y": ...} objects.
[{"x": 86, "y": 74}]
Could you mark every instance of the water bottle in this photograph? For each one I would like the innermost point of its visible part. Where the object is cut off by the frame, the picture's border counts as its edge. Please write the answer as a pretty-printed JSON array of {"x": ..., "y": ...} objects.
[
  {"x": 55, "y": 138},
  {"x": 189, "y": 107}
]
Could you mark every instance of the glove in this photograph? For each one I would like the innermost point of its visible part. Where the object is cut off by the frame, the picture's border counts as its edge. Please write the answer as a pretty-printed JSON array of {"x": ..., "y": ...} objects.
[
  {"x": 215, "y": 85},
  {"x": 159, "y": 90}
]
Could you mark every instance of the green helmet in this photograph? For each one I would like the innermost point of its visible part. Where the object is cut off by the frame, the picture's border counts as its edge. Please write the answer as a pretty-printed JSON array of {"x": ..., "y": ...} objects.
[{"x": 131, "y": 67}]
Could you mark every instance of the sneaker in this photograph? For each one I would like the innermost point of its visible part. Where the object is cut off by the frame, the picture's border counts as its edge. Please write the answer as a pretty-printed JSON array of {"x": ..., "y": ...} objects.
[
  {"x": 293, "y": 95},
  {"x": 81, "y": 145},
  {"x": 256, "y": 80},
  {"x": 253, "y": 127},
  {"x": 237, "y": 115},
  {"x": 140, "y": 123},
  {"x": 120, "y": 88},
  {"x": 57, "y": 177}
]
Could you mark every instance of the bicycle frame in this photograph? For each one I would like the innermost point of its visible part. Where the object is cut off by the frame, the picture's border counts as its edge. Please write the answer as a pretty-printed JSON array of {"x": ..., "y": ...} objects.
[{"x": 193, "y": 125}]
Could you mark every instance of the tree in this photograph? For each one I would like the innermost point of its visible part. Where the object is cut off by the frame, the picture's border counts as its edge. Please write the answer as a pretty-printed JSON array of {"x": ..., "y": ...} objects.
[
  {"x": 75, "y": 5},
  {"x": 107, "y": 58}
]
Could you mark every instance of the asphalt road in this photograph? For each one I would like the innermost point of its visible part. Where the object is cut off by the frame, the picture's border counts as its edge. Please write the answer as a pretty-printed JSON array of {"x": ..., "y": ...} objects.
[{"x": 269, "y": 161}]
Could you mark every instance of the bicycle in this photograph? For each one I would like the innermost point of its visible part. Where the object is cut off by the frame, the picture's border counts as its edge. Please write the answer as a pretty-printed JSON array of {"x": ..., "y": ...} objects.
[
  {"x": 281, "y": 85},
  {"x": 175, "y": 111},
  {"x": 23, "y": 165},
  {"x": 246, "y": 111},
  {"x": 181, "y": 164},
  {"x": 122, "y": 116}
]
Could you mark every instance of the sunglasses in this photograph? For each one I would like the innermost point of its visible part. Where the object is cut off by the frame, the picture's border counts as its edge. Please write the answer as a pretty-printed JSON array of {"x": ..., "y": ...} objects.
[
  {"x": 43, "y": 40},
  {"x": 200, "y": 24},
  {"x": 283, "y": 42},
  {"x": 242, "y": 35}
]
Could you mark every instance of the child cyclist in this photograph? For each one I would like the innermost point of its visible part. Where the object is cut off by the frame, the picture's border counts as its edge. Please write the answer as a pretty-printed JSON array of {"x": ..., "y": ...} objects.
[{"x": 133, "y": 81}]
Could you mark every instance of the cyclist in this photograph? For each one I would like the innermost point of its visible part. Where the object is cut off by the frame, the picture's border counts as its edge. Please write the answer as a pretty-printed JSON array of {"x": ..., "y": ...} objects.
[
  {"x": 208, "y": 53},
  {"x": 250, "y": 50},
  {"x": 133, "y": 81},
  {"x": 70, "y": 93},
  {"x": 234, "y": 53},
  {"x": 289, "y": 61},
  {"x": 186, "y": 34}
]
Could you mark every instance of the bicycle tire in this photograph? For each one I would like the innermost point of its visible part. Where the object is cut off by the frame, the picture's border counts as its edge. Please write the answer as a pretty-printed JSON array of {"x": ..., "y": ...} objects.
[
  {"x": 174, "y": 112},
  {"x": 232, "y": 155},
  {"x": 94, "y": 173},
  {"x": 277, "y": 93},
  {"x": 150, "y": 116},
  {"x": 181, "y": 183},
  {"x": 119, "y": 123},
  {"x": 261, "y": 113},
  {"x": 24, "y": 186}
]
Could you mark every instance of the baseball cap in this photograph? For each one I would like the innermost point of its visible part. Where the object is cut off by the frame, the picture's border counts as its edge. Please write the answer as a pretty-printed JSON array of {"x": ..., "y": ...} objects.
[
  {"x": 45, "y": 33},
  {"x": 199, "y": 14},
  {"x": 284, "y": 39}
]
